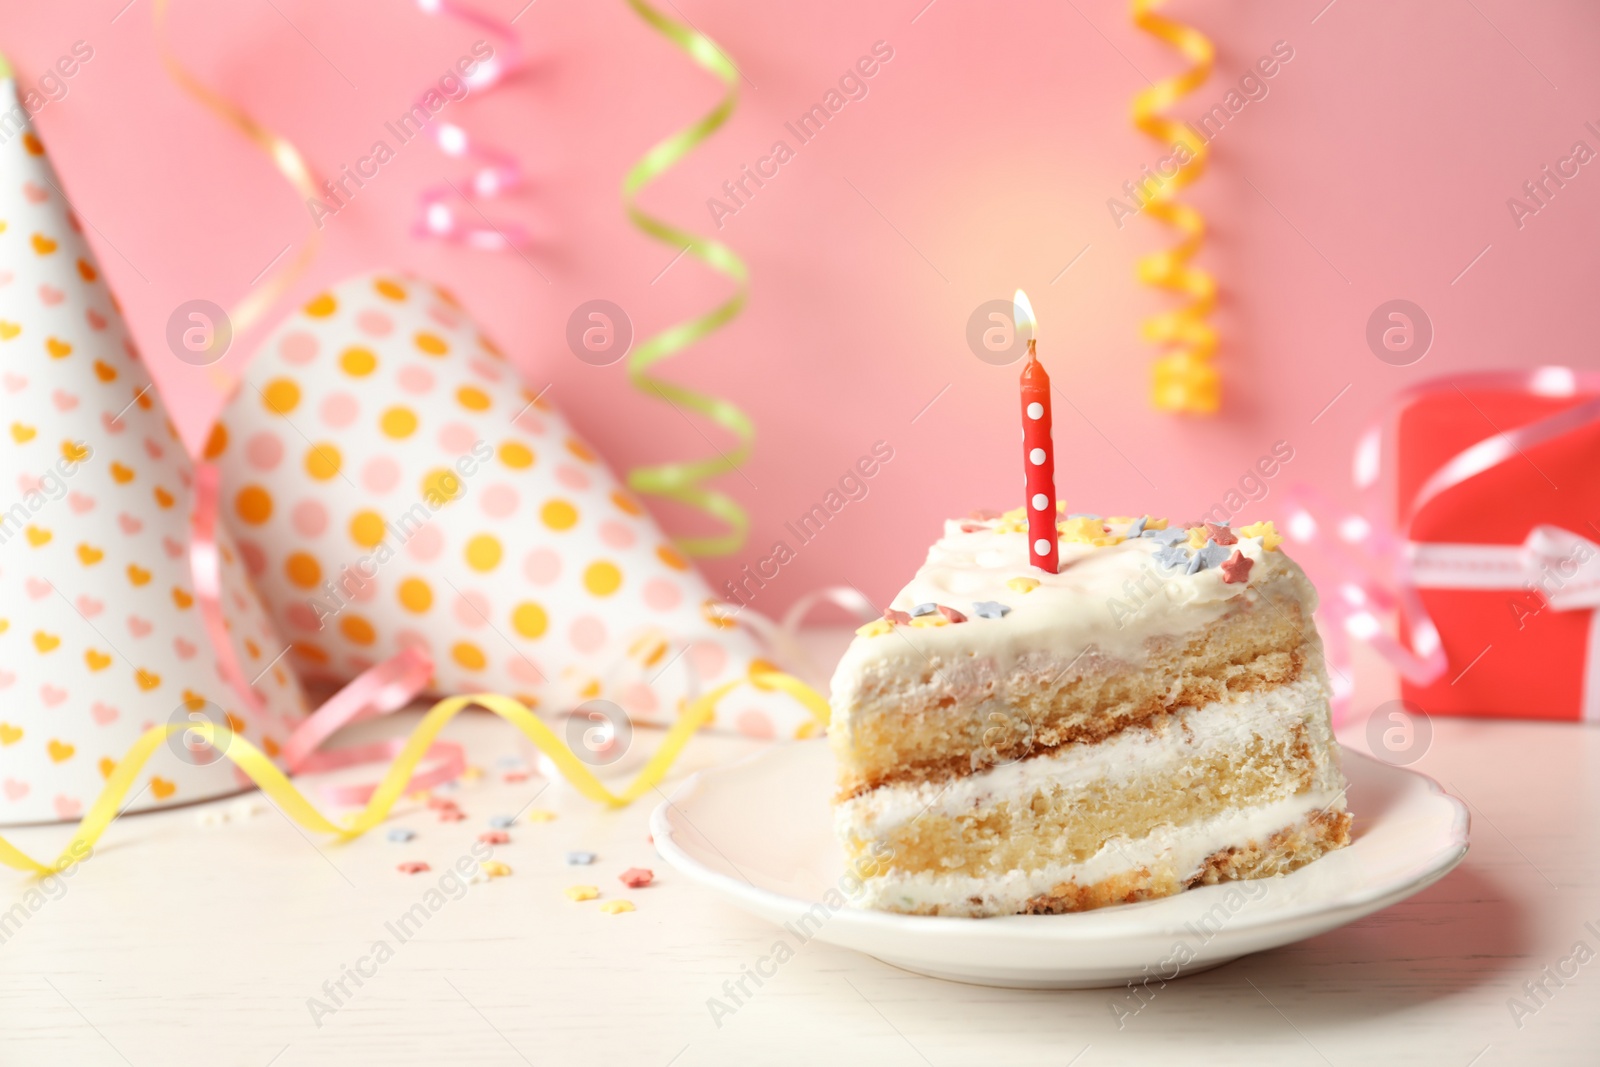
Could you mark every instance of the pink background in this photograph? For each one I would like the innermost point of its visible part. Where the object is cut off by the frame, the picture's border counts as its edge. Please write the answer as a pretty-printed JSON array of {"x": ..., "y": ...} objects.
[{"x": 1377, "y": 167}]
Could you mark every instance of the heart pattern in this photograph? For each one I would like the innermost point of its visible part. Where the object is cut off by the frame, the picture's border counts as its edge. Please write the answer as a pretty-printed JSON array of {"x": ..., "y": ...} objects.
[{"x": 107, "y": 489}]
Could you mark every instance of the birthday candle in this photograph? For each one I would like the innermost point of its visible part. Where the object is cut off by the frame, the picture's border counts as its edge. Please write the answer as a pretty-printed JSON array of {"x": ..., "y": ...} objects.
[{"x": 1039, "y": 458}]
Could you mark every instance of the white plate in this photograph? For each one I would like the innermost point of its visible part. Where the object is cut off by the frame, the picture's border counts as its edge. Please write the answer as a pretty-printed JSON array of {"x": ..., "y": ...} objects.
[{"x": 760, "y": 832}]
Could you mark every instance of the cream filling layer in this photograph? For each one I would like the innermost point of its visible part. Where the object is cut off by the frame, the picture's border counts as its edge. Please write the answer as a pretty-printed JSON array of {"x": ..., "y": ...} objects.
[
  {"x": 1140, "y": 753},
  {"x": 1180, "y": 850}
]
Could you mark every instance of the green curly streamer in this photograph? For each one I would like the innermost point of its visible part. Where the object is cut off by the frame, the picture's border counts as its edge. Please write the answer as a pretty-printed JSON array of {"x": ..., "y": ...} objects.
[{"x": 682, "y": 481}]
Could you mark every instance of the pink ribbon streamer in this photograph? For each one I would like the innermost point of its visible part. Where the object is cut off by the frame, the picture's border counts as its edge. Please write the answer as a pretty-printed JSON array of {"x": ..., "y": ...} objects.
[
  {"x": 1367, "y": 558},
  {"x": 496, "y": 172},
  {"x": 379, "y": 690}
]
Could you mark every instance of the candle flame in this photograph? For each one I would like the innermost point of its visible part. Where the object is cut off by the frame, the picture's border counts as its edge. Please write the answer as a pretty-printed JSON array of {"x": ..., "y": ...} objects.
[{"x": 1022, "y": 314}]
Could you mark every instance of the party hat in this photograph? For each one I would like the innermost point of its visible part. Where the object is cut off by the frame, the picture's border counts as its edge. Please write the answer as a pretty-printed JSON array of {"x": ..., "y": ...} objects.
[
  {"x": 103, "y": 626},
  {"x": 394, "y": 484}
]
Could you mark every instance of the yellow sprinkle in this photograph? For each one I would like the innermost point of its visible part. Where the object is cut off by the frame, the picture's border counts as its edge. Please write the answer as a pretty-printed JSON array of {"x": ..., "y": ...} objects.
[
  {"x": 1154, "y": 524},
  {"x": 1270, "y": 537},
  {"x": 1022, "y": 585},
  {"x": 582, "y": 892},
  {"x": 495, "y": 869},
  {"x": 472, "y": 774},
  {"x": 616, "y": 907},
  {"x": 922, "y": 622},
  {"x": 541, "y": 815},
  {"x": 1123, "y": 520},
  {"x": 875, "y": 628},
  {"x": 1197, "y": 537},
  {"x": 1088, "y": 532}
]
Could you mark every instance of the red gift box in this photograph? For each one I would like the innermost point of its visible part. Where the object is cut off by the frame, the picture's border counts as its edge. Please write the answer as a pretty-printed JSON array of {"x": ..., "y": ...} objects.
[{"x": 1517, "y": 626}]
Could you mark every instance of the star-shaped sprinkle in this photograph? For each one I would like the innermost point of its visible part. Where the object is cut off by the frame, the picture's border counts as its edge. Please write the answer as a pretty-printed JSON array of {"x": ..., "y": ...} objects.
[
  {"x": 1197, "y": 537},
  {"x": 1022, "y": 585},
  {"x": 1164, "y": 535},
  {"x": 875, "y": 628},
  {"x": 1173, "y": 556},
  {"x": 1137, "y": 528},
  {"x": 952, "y": 614},
  {"x": 1236, "y": 568},
  {"x": 1221, "y": 534},
  {"x": 1209, "y": 556},
  {"x": 1270, "y": 537},
  {"x": 580, "y": 859},
  {"x": 400, "y": 835},
  {"x": 924, "y": 609},
  {"x": 502, "y": 822},
  {"x": 989, "y": 609},
  {"x": 898, "y": 617}
]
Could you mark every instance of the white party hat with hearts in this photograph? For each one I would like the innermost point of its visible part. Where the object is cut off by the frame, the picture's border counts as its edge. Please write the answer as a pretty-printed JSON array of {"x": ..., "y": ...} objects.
[{"x": 102, "y": 630}]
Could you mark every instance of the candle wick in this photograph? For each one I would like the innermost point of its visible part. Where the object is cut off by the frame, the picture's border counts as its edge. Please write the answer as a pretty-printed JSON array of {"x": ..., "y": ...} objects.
[{"x": 1032, "y": 343}]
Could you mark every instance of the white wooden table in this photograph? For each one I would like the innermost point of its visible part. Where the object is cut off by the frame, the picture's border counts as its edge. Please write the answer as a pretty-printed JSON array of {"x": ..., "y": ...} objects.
[{"x": 181, "y": 943}]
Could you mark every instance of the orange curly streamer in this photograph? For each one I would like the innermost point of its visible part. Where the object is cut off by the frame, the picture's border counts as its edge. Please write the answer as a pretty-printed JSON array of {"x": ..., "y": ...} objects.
[{"x": 1185, "y": 381}]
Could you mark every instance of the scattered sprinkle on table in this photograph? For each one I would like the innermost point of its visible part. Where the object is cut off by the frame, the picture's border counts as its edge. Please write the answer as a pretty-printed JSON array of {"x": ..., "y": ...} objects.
[
  {"x": 636, "y": 877},
  {"x": 400, "y": 835},
  {"x": 495, "y": 869},
  {"x": 495, "y": 837},
  {"x": 582, "y": 892},
  {"x": 502, "y": 822},
  {"x": 440, "y": 803},
  {"x": 541, "y": 815},
  {"x": 513, "y": 777},
  {"x": 413, "y": 867},
  {"x": 452, "y": 815},
  {"x": 578, "y": 859},
  {"x": 616, "y": 907},
  {"x": 472, "y": 774}
]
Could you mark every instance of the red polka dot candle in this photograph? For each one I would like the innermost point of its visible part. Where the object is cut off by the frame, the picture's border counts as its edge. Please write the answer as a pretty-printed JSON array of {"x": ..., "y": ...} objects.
[{"x": 1038, "y": 452}]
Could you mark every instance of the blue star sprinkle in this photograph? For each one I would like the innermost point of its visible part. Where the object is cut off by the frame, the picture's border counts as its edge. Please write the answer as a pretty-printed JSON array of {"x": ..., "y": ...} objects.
[
  {"x": 924, "y": 609},
  {"x": 1173, "y": 556},
  {"x": 502, "y": 822},
  {"x": 989, "y": 609},
  {"x": 1170, "y": 536},
  {"x": 580, "y": 859},
  {"x": 1209, "y": 556},
  {"x": 400, "y": 835},
  {"x": 1137, "y": 527}
]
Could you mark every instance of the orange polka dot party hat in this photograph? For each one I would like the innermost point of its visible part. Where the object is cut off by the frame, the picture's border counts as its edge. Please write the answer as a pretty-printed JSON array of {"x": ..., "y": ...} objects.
[
  {"x": 393, "y": 484},
  {"x": 102, "y": 632}
]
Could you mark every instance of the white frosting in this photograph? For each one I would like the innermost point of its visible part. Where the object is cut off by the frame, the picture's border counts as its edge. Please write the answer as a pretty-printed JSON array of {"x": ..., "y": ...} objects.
[
  {"x": 1134, "y": 754},
  {"x": 1112, "y": 597}
]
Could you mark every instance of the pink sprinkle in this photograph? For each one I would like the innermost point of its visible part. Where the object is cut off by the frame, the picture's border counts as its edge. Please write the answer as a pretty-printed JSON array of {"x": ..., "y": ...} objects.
[
  {"x": 952, "y": 614},
  {"x": 983, "y": 514},
  {"x": 518, "y": 776},
  {"x": 495, "y": 837},
  {"x": 1221, "y": 534},
  {"x": 899, "y": 618},
  {"x": 636, "y": 877},
  {"x": 452, "y": 815},
  {"x": 414, "y": 867},
  {"x": 437, "y": 803}
]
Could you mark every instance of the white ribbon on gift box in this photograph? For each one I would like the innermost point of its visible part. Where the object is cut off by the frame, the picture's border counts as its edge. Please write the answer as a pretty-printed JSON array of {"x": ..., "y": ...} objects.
[{"x": 1561, "y": 566}]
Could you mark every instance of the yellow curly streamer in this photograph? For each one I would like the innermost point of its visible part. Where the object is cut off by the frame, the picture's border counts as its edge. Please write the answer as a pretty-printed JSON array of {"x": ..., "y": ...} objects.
[
  {"x": 682, "y": 481},
  {"x": 255, "y": 763},
  {"x": 1185, "y": 381}
]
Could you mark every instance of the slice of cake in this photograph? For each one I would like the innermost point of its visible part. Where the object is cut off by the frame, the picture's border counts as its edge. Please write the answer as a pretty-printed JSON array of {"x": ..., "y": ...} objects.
[{"x": 1151, "y": 717}]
